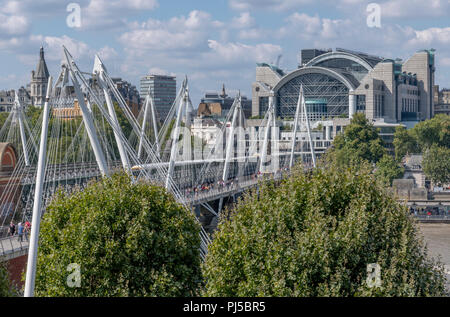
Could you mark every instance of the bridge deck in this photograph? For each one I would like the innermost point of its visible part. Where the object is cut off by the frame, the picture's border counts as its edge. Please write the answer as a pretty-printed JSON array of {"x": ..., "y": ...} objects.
[{"x": 10, "y": 246}]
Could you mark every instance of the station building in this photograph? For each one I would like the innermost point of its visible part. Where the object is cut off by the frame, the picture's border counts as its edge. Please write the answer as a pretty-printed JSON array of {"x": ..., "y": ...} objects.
[{"x": 339, "y": 83}]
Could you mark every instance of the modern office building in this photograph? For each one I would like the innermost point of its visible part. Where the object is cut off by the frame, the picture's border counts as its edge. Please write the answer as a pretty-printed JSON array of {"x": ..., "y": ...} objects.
[
  {"x": 164, "y": 91},
  {"x": 339, "y": 83}
]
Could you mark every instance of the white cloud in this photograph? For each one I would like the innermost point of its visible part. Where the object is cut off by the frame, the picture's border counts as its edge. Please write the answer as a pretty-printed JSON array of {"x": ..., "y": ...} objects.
[
  {"x": 431, "y": 36},
  {"x": 112, "y": 13},
  {"x": 277, "y": 5},
  {"x": 301, "y": 21},
  {"x": 27, "y": 50},
  {"x": 13, "y": 25},
  {"x": 160, "y": 71},
  {"x": 251, "y": 34},
  {"x": 245, "y": 20},
  {"x": 242, "y": 53},
  {"x": 415, "y": 8},
  {"x": 94, "y": 13},
  {"x": 176, "y": 34}
]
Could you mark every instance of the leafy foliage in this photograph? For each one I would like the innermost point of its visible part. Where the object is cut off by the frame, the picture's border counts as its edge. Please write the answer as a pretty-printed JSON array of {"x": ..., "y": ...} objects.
[
  {"x": 3, "y": 117},
  {"x": 405, "y": 142},
  {"x": 359, "y": 141},
  {"x": 389, "y": 169},
  {"x": 314, "y": 235},
  {"x": 435, "y": 131},
  {"x": 130, "y": 239},
  {"x": 432, "y": 138},
  {"x": 423, "y": 136},
  {"x": 5, "y": 285},
  {"x": 436, "y": 164}
]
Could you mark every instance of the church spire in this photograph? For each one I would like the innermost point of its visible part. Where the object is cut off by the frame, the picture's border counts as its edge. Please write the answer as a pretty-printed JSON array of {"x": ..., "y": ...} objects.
[
  {"x": 223, "y": 95},
  {"x": 41, "y": 70}
]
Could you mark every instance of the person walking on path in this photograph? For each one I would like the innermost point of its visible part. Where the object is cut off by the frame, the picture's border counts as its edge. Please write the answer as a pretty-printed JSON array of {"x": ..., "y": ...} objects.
[
  {"x": 20, "y": 232},
  {"x": 12, "y": 229},
  {"x": 27, "y": 229}
]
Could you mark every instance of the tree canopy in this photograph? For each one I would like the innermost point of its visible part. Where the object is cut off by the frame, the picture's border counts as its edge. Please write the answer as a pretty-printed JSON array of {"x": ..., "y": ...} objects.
[
  {"x": 315, "y": 235},
  {"x": 432, "y": 139},
  {"x": 435, "y": 131},
  {"x": 5, "y": 285},
  {"x": 388, "y": 169},
  {"x": 359, "y": 141},
  {"x": 423, "y": 136},
  {"x": 436, "y": 164},
  {"x": 128, "y": 238},
  {"x": 404, "y": 142}
]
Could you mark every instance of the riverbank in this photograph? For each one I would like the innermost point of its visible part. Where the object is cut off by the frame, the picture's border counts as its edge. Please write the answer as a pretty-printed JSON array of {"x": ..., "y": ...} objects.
[{"x": 437, "y": 238}]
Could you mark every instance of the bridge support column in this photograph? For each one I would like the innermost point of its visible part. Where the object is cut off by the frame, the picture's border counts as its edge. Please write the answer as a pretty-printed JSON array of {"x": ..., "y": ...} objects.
[
  {"x": 294, "y": 136},
  {"x": 270, "y": 119},
  {"x": 23, "y": 138},
  {"x": 87, "y": 119},
  {"x": 99, "y": 69},
  {"x": 175, "y": 138},
  {"x": 230, "y": 144},
  {"x": 36, "y": 219}
]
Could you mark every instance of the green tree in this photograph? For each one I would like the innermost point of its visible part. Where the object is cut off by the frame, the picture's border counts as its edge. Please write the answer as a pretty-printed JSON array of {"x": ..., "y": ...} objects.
[
  {"x": 5, "y": 285},
  {"x": 359, "y": 141},
  {"x": 314, "y": 235},
  {"x": 405, "y": 142},
  {"x": 435, "y": 131},
  {"x": 3, "y": 117},
  {"x": 436, "y": 164},
  {"x": 33, "y": 114},
  {"x": 423, "y": 136},
  {"x": 389, "y": 169},
  {"x": 129, "y": 238}
]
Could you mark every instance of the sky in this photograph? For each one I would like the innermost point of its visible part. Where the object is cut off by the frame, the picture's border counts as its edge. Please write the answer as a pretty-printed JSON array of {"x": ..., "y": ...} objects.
[{"x": 213, "y": 42}]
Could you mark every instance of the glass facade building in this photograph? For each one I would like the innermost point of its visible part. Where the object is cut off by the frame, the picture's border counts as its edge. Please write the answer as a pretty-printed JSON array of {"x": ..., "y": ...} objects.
[{"x": 164, "y": 91}]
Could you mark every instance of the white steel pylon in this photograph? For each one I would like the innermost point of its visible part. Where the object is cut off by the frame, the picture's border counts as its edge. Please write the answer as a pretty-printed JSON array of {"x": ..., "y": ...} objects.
[
  {"x": 18, "y": 111},
  {"x": 100, "y": 72},
  {"x": 238, "y": 119},
  {"x": 34, "y": 237},
  {"x": 149, "y": 106},
  {"x": 301, "y": 114},
  {"x": 182, "y": 105},
  {"x": 15, "y": 130},
  {"x": 87, "y": 117},
  {"x": 269, "y": 118}
]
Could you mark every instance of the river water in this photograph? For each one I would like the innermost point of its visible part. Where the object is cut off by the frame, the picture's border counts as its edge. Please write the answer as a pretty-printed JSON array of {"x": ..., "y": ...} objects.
[{"x": 437, "y": 238}]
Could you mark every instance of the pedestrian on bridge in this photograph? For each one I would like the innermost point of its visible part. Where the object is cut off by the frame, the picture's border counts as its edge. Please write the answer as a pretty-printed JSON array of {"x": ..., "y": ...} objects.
[
  {"x": 12, "y": 229},
  {"x": 20, "y": 231},
  {"x": 27, "y": 229}
]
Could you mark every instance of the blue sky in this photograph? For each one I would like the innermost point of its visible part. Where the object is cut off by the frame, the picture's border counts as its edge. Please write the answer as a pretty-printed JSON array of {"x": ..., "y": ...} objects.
[{"x": 215, "y": 41}]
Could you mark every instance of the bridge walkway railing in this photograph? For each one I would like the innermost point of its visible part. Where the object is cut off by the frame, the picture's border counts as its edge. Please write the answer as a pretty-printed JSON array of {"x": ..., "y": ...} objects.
[{"x": 12, "y": 244}]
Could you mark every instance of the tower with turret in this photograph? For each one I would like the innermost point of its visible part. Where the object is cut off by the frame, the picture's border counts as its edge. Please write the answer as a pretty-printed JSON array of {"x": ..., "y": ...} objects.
[{"x": 39, "y": 81}]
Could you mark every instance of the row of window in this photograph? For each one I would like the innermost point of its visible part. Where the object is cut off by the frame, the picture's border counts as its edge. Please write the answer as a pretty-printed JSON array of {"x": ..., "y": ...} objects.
[
  {"x": 410, "y": 105},
  {"x": 379, "y": 106},
  {"x": 413, "y": 92}
]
